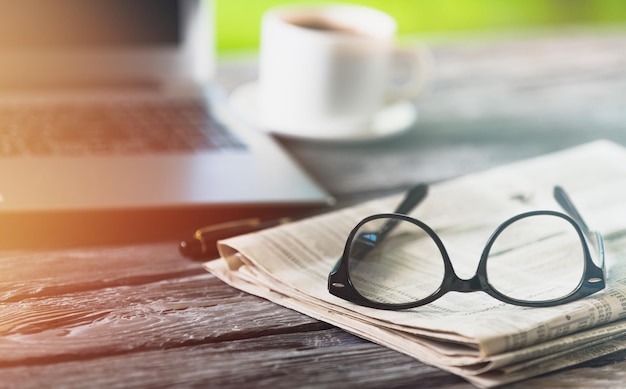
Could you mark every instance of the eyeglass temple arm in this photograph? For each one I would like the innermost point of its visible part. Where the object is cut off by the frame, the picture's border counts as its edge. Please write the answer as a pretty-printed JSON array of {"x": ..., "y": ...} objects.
[
  {"x": 566, "y": 203},
  {"x": 413, "y": 197},
  {"x": 564, "y": 200},
  {"x": 365, "y": 242}
]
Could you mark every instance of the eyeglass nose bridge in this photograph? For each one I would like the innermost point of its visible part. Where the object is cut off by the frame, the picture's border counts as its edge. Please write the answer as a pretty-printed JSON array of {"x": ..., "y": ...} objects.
[{"x": 465, "y": 285}]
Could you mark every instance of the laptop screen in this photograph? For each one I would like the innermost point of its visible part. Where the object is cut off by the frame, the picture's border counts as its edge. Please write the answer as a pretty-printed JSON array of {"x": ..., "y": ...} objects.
[
  {"x": 67, "y": 42},
  {"x": 68, "y": 24}
]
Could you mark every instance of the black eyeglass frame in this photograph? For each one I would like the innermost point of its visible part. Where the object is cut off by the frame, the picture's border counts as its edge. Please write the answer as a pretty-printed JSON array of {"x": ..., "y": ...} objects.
[{"x": 592, "y": 281}]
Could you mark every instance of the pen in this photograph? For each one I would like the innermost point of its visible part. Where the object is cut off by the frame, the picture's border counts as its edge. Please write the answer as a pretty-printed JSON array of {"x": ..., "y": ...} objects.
[{"x": 203, "y": 243}]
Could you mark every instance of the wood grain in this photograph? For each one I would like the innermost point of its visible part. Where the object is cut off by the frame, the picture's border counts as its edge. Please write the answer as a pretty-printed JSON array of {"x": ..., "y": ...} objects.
[
  {"x": 325, "y": 358},
  {"x": 154, "y": 315},
  {"x": 47, "y": 273}
]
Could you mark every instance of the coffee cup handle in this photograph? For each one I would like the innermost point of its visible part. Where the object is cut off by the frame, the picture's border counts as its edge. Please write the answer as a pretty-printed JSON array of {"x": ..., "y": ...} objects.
[{"x": 415, "y": 76}]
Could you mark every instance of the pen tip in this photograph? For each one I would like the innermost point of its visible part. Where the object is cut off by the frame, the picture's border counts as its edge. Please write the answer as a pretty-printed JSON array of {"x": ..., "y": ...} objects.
[{"x": 190, "y": 248}]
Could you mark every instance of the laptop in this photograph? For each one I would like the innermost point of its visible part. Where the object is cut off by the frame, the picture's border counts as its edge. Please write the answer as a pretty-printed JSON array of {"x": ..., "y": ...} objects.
[{"x": 112, "y": 132}]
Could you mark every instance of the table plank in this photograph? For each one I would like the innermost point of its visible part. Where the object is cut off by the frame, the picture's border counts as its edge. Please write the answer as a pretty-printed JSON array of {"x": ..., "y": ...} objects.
[
  {"x": 46, "y": 273},
  {"x": 329, "y": 358},
  {"x": 162, "y": 314}
]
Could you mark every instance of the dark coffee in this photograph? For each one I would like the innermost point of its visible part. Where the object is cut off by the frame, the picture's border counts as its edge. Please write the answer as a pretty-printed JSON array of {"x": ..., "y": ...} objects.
[{"x": 325, "y": 26}]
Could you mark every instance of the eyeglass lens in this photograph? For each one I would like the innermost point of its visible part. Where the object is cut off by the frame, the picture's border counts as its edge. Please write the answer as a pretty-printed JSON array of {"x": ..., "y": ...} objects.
[
  {"x": 402, "y": 266},
  {"x": 535, "y": 258}
]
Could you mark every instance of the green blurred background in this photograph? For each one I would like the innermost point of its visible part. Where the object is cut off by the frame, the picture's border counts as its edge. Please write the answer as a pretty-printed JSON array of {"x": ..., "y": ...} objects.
[{"x": 238, "y": 21}]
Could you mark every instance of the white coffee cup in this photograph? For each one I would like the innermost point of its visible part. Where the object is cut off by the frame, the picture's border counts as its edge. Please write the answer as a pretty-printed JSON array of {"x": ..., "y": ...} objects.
[{"x": 326, "y": 70}]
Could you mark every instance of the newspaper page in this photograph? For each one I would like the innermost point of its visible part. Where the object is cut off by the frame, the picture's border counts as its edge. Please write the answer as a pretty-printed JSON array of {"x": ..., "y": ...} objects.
[{"x": 484, "y": 340}]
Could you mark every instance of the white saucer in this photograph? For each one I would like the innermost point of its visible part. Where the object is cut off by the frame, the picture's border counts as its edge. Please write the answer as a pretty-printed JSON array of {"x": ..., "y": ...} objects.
[{"x": 393, "y": 119}]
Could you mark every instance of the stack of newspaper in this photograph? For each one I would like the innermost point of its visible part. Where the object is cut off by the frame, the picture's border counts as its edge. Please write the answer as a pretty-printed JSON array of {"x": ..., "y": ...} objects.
[{"x": 487, "y": 342}]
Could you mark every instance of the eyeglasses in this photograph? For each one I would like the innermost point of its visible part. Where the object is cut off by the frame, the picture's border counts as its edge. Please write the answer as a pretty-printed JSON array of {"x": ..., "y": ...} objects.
[{"x": 535, "y": 259}]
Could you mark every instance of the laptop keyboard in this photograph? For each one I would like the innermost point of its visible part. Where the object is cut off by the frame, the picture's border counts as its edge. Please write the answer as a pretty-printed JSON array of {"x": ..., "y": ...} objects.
[{"x": 111, "y": 128}]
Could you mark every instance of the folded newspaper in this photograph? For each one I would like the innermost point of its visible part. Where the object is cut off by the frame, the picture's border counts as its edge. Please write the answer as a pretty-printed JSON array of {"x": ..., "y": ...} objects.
[{"x": 487, "y": 342}]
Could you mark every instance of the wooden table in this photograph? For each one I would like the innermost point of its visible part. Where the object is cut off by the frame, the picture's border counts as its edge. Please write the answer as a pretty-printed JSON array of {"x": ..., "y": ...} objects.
[{"x": 143, "y": 316}]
